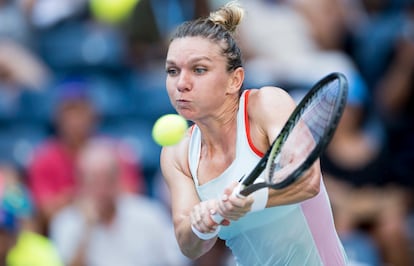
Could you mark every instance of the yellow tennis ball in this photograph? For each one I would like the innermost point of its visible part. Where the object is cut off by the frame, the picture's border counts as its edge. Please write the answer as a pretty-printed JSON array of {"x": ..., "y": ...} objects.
[
  {"x": 169, "y": 129},
  {"x": 33, "y": 249},
  {"x": 112, "y": 11}
]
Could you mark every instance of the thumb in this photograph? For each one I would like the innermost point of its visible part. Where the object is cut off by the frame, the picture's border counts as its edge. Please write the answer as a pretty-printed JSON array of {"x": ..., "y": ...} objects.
[
  {"x": 230, "y": 188},
  {"x": 229, "y": 191}
]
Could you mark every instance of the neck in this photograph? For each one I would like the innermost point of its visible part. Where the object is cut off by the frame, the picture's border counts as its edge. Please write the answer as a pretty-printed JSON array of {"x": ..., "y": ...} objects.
[
  {"x": 73, "y": 146},
  {"x": 219, "y": 132},
  {"x": 107, "y": 214}
]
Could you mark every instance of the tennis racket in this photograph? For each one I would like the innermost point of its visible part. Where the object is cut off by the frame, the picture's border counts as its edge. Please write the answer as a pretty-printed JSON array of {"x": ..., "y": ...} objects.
[
  {"x": 307, "y": 132},
  {"x": 301, "y": 141}
]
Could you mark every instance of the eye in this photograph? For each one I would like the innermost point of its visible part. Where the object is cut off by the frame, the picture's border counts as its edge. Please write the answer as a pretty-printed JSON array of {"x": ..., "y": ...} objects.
[
  {"x": 200, "y": 70},
  {"x": 171, "y": 71}
]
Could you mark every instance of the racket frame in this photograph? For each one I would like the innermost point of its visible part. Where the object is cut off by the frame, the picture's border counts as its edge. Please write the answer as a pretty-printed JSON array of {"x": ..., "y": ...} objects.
[{"x": 247, "y": 183}]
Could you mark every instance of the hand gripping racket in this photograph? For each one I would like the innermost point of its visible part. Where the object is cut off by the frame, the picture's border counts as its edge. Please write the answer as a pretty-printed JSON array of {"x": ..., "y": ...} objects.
[{"x": 300, "y": 142}]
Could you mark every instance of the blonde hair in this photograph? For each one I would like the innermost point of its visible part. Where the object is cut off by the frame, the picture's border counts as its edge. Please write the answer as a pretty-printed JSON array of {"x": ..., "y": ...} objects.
[
  {"x": 218, "y": 27},
  {"x": 229, "y": 16}
]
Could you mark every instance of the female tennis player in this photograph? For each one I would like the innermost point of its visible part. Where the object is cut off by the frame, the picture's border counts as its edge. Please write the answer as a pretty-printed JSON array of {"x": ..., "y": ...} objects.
[{"x": 232, "y": 130}]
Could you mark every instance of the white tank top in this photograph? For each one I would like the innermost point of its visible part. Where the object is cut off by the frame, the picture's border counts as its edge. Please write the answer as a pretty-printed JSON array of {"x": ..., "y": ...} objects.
[{"x": 295, "y": 234}]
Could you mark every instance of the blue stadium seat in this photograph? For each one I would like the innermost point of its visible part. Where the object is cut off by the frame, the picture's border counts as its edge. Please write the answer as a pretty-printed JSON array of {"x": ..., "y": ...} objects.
[
  {"x": 18, "y": 141},
  {"x": 73, "y": 45},
  {"x": 151, "y": 103},
  {"x": 361, "y": 249},
  {"x": 110, "y": 95}
]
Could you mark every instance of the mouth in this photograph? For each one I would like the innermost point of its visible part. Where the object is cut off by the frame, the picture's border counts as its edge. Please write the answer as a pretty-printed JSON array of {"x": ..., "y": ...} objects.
[{"x": 182, "y": 101}]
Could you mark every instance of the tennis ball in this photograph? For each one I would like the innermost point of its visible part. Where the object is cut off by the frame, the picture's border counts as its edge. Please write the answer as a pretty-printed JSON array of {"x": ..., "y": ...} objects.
[
  {"x": 169, "y": 129},
  {"x": 112, "y": 11},
  {"x": 33, "y": 249}
]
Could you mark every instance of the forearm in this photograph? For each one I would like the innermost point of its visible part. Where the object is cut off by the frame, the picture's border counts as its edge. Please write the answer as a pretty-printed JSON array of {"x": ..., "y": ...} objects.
[
  {"x": 304, "y": 188},
  {"x": 190, "y": 244},
  {"x": 186, "y": 206},
  {"x": 277, "y": 198}
]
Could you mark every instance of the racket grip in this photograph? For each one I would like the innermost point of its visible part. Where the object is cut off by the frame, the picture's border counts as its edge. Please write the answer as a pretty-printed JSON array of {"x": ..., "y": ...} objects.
[{"x": 217, "y": 217}]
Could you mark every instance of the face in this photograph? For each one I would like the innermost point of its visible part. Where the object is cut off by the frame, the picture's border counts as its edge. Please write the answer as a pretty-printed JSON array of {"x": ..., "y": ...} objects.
[
  {"x": 102, "y": 183},
  {"x": 198, "y": 83},
  {"x": 76, "y": 121},
  {"x": 100, "y": 180}
]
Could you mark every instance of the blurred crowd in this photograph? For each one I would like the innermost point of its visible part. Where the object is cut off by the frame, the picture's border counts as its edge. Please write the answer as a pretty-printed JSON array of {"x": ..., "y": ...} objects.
[{"x": 82, "y": 82}]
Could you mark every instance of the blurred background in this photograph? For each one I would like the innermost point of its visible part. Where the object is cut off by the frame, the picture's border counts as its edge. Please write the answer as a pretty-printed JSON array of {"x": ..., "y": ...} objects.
[{"x": 72, "y": 71}]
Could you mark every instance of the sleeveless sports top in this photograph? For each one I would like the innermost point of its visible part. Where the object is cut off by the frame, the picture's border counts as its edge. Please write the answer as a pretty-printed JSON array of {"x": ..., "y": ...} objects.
[{"x": 295, "y": 234}]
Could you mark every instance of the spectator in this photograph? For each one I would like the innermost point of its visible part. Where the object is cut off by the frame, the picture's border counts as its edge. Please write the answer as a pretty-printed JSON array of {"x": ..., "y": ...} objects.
[
  {"x": 52, "y": 171},
  {"x": 20, "y": 71},
  {"x": 20, "y": 243},
  {"x": 150, "y": 24},
  {"x": 370, "y": 186},
  {"x": 7, "y": 234},
  {"x": 105, "y": 226},
  {"x": 292, "y": 49},
  {"x": 41, "y": 17}
]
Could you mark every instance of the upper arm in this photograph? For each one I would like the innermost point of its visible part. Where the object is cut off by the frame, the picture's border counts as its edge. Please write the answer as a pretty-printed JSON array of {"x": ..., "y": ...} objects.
[
  {"x": 269, "y": 109},
  {"x": 175, "y": 170}
]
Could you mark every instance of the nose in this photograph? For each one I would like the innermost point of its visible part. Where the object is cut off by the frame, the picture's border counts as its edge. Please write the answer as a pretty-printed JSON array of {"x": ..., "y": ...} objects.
[{"x": 184, "y": 81}]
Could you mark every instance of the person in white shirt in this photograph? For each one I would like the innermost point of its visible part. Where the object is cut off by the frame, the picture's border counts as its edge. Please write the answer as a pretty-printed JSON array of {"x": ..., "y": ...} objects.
[{"x": 105, "y": 227}]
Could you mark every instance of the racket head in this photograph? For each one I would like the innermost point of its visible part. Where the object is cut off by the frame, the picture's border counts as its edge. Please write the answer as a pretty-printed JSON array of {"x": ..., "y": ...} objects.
[
  {"x": 307, "y": 132},
  {"x": 305, "y": 135}
]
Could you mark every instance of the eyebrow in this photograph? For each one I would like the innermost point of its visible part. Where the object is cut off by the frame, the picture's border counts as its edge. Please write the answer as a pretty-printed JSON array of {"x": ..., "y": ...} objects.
[{"x": 191, "y": 61}]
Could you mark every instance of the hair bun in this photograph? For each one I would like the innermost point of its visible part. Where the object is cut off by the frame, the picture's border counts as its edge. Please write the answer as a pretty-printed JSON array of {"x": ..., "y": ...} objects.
[{"x": 229, "y": 16}]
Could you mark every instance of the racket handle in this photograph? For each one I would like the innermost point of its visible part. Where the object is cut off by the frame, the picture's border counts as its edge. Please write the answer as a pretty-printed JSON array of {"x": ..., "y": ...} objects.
[
  {"x": 217, "y": 217},
  {"x": 260, "y": 200}
]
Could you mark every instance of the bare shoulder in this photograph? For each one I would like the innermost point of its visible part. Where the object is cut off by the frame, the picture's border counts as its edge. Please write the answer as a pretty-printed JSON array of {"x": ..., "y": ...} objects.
[
  {"x": 270, "y": 99},
  {"x": 268, "y": 109},
  {"x": 173, "y": 159}
]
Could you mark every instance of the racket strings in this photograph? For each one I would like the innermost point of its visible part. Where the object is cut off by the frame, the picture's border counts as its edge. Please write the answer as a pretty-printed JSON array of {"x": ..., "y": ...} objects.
[
  {"x": 304, "y": 132},
  {"x": 321, "y": 112}
]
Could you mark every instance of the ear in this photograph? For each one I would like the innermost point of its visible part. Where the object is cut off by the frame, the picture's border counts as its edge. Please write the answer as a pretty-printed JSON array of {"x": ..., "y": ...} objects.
[{"x": 236, "y": 80}]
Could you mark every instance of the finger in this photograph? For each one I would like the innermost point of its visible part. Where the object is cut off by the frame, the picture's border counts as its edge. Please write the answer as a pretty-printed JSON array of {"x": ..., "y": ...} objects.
[
  {"x": 234, "y": 214},
  {"x": 209, "y": 224},
  {"x": 203, "y": 225},
  {"x": 244, "y": 203},
  {"x": 229, "y": 190},
  {"x": 194, "y": 219},
  {"x": 235, "y": 205}
]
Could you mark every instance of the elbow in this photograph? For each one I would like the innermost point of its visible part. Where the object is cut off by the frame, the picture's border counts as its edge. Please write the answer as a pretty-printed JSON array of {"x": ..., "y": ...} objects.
[
  {"x": 314, "y": 185},
  {"x": 313, "y": 190},
  {"x": 186, "y": 248},
  {"x": 192, "y": 252},
  {"x": 193, "y": 249},
  {"x": 188, "y": 253}
]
